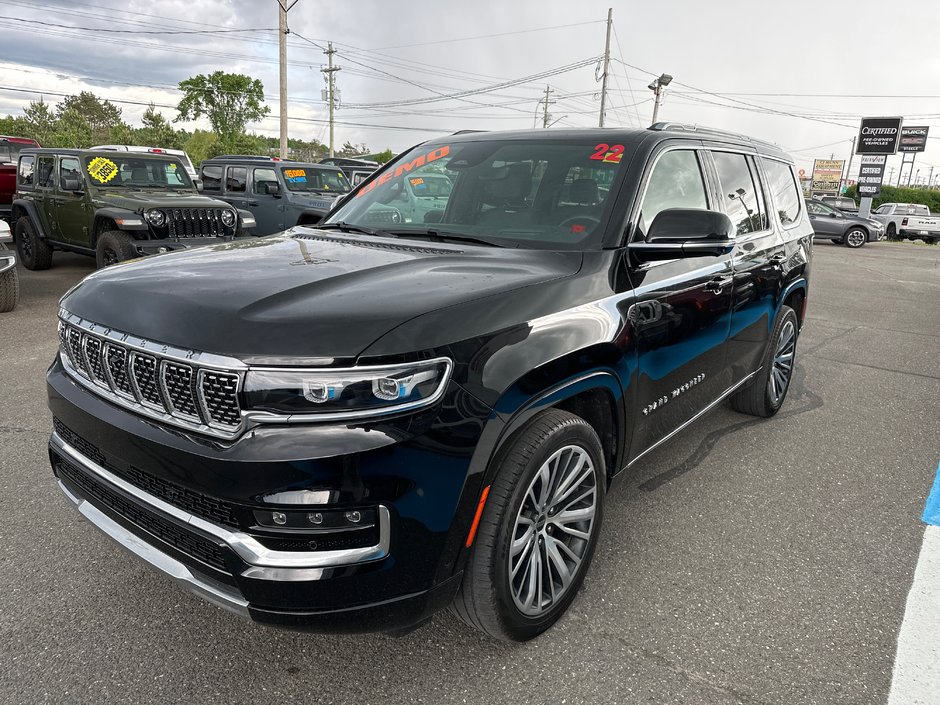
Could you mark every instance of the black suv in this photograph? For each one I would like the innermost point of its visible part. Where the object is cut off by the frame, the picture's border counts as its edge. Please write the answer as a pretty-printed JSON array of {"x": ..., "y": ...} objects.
[
  {"x": 385, "y": 418},
  {"x": 279, "y": 193},
  {"x": 114, "y": 206}
]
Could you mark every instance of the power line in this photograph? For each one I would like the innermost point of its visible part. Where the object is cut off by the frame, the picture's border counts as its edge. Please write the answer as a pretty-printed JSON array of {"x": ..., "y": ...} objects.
[
  {"x": 487, "y": 36},
  {"x": 131, "y": 31}
]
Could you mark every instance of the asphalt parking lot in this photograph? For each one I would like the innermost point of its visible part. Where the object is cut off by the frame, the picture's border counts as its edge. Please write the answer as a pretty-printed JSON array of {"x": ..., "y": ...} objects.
[{"x": 747, "y": 561}]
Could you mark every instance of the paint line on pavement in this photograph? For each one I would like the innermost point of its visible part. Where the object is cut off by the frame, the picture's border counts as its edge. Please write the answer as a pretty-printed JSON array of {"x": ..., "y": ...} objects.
[
  {"x": 932, "y": 508},
  {"x": 916, "y": 677}
]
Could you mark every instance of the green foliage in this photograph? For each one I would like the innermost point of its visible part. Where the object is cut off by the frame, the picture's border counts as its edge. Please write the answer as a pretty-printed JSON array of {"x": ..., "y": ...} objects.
[
  {"x": 229, "y": 100},
  {"x": 383, "y": 157},
  {"x": 157, "y": 131},
  {"x": 203, "y": 145},
  {"x": 892, "y": 194}
]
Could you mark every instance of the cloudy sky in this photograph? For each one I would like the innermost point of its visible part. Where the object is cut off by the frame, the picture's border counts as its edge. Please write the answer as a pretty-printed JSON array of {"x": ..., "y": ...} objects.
[{"x": 796, "y": 73}]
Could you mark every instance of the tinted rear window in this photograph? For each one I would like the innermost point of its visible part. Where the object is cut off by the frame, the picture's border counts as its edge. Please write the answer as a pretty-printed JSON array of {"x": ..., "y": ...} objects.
[
  {"x": 212, "y": 178},
  {"x": 783, "y": 187},
  {"x": 25, "y": 173}
]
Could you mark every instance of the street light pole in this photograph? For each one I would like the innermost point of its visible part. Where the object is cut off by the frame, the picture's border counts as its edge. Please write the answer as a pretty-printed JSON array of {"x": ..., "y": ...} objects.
[{"x": 657, "y": 87}]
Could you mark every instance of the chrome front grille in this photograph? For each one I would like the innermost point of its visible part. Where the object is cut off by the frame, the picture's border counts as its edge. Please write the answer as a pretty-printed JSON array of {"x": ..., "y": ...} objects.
[
  {"x": 195, "y": 222},
  {"x": 180, "y": 387}
]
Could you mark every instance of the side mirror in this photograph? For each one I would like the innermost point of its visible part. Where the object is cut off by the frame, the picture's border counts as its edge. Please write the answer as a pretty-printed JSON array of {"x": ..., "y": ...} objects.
[
  {"x": 685, "y": 232},
  {"x": 271, "y": 188},
  {"x": 71, "y": 183}
]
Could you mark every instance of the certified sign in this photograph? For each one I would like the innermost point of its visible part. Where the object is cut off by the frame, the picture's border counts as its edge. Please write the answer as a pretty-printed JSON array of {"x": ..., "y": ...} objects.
[
  {"x": 913, "y": 139},
  {"x": 870, "y": 175},
  {"x": 879, "y": 135}
]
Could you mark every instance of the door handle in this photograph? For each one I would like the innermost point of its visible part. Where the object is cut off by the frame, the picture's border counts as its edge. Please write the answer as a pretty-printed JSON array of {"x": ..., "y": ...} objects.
[
  {"x": 252, "y": 203},
  {"x": 718, "y": 283}
]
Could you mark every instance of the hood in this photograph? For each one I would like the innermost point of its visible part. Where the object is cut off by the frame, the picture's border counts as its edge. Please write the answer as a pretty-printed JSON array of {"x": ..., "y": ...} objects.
[
  {"x": 135, "y": 200},
  {"x": 303, "y": 295}
]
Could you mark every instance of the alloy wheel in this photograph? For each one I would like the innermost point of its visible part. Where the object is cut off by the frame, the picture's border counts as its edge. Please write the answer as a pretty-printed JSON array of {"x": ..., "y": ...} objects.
[
  {"x": 552, "y": 530},
  {"x": 855, "y": 238},
  {"x": 110, "y": 257},
  {"x": 783, "y": 362}
]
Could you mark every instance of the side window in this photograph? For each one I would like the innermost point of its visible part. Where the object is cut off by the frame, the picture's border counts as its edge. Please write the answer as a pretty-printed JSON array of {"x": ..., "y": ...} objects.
[
  {"x": 785, "y": 192},
  {"x": 25, "y": 173},
  {"x": 883, "y": 210},
  {"x": 68, "y": 169},
  {"x": 676, "y": 182},
  {"x": 45, "y": 178},
  {"x": 235, "y": 179},
  {"x": 260, "y": 178},
  {"x": 740, "y": 193},
  {"x": 212, "y": 178}
]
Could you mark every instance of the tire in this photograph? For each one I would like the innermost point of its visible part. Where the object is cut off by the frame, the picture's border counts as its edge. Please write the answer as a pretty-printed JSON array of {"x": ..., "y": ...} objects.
[
  {"x": 762, "y": 397},
  {"x": 891, "y": 233},
  {"x": 34, "y": 252},
  {"x": 491, "y": 598},
  {"x": 9, "y": 290},
  {"x": 855, "y": 238},
  {"x": 114, "y": 246}
]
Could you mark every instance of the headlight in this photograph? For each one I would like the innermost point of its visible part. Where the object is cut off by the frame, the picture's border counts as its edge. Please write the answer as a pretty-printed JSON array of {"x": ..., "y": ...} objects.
[
  {"x": 347, "y": 393},
  {"x": 156, "y": 218},
  {"x": 228, "y": 218}
]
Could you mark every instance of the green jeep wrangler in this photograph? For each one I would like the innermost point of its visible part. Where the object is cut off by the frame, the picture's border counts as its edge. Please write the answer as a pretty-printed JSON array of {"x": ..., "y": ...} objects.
[{"x": 114, "y": 206}]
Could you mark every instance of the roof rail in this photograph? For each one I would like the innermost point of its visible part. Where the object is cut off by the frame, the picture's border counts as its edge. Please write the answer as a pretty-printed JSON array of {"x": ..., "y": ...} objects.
[
  {"x": 465, "y": 132},
  {"x": 701, "y": 129}
]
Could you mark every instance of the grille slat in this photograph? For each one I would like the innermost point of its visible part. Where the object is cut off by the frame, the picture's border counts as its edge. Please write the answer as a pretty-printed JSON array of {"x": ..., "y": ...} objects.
[
  {"x": 188, "y": 395},
  {"x": 195, "y": 222}
]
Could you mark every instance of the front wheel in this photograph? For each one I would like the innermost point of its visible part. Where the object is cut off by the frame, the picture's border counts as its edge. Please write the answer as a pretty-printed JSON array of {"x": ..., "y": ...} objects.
[
  {"x": 9, "y": 290},
  {"x": 765, "y": 395},
  {"x": 855, "y": 238},
  {"x": 538, "y": 530},
  {"x": 114, "y": 246}
]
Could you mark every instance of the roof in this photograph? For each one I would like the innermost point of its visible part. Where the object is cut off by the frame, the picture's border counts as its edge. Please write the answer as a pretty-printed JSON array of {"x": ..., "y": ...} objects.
[
  {"x": 266, "y": 161},
  {"x": 109, "y": 153}
]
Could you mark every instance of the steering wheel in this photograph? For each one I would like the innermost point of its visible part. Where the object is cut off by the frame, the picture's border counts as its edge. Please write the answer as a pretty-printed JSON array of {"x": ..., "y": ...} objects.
[{"x": 574, "y": 220}]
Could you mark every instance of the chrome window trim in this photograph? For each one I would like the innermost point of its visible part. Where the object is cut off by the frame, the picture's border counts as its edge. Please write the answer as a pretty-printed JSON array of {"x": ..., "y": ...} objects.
[{"x": 246, "y": 547}]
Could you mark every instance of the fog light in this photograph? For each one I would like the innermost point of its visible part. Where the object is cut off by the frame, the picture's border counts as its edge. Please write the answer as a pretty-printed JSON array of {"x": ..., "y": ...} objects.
[
  {"x": 279, "y": 517},
  {"x": 315, "y": 518},
  {"x": 353, "y": 517}
]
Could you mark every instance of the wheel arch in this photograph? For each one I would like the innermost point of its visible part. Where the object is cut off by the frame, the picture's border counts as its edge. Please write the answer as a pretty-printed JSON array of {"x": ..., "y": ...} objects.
[
  {"x": 795, "y": 296},
  {"x": 110, "y": 219},
  {"x": 23, "y": 208}
]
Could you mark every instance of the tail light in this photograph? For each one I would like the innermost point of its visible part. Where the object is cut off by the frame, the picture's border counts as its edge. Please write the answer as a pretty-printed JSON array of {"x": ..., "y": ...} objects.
[{"x": 903, "y": 222}]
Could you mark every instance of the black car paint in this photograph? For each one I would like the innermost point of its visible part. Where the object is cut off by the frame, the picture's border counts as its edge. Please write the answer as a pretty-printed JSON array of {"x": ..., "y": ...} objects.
[{"x": 591, "y": 331}]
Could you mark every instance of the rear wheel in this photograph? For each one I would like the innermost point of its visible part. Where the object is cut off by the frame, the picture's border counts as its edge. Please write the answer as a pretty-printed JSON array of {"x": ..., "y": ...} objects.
[
  {"x": 114, "y": 246},
  {"x": 35, "y": 253},
  {"x": 765, "y": 395},
  {"x": 538, "y": 530},
  {"x": 892, "y": 232},
  {"x": 9, "y": 290},
  {"x": 855, "y": 238}
]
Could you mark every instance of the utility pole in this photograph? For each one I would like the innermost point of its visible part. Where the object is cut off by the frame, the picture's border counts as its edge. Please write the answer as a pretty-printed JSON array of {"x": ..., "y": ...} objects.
[
  {"x": 610, "y": 21},
  {"x": 657, "y": 88},
  {"x": 330, "y": 71},
  {"x": 545, "y": 114},
  {"x": 890, "y": 175},
  {"x": 282, "y": 31},
  {"x": 930, "y": 179},
  {"x": 848, "y": 169}
]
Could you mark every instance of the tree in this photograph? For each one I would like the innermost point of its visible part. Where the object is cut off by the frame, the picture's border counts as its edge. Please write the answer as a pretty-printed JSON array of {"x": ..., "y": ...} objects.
[
  {"x": 39, "y": 121},
  {"x": 71, "y": 130},
  {"x": 157, "y": 131},
  {"x": 383, "y": 157},
  {"x": 100, "y": 115},
  {"x": 203, "y": 144},
  {"x": 229, "y": 100}
]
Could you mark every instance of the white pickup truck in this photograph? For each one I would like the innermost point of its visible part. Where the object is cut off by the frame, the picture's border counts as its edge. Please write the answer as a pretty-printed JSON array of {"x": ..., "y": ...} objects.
[{"x": 911, "y": 221}]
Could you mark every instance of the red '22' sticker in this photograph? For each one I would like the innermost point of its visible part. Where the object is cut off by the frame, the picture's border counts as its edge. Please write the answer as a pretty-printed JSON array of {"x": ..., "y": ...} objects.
[{"x": 609, "y": 153}]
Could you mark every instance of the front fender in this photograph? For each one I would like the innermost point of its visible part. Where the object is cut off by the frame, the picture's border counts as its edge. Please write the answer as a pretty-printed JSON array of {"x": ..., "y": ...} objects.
[{"x": 123, "y": 218}]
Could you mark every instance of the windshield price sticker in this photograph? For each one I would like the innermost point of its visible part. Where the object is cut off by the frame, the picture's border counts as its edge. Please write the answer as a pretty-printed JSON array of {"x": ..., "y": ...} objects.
[
  {"x": 610, "y": 153},
  {"x": 405, "y": 167},
  {"x": 296, "y": 175},
  {"x": 102, "y": 170},
  {"x": 416, "y": 181}
]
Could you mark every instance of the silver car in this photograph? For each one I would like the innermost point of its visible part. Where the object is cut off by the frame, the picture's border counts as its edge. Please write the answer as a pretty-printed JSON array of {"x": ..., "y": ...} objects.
[{"x": 841, "y": 227}]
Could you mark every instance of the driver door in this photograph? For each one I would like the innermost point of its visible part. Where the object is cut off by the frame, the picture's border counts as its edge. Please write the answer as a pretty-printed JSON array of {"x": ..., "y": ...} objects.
[
  {"x": 682, "y": 313},
  {"x": 826, "y": 221},
  {"x": 69, "y": 210}
]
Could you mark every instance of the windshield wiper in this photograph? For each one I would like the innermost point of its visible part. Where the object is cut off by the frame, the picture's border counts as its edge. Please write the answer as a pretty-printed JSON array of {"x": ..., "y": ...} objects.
[
  {"x": 345, "y": 227},
  {"x": 438, "y": 236}
]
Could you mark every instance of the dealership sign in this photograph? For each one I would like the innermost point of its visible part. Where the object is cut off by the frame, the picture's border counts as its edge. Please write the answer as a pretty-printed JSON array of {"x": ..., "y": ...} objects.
[
  {"x": 827, "y": 173},
  {"x": 913, "y": 139},
  {"x": 879, "y": 135},
  {"x": 871, "y": 175}
]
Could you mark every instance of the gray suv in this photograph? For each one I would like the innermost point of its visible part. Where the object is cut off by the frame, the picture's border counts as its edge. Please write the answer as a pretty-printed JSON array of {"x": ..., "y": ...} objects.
[
  {"x": 280, "y": 194},
  {"x": 843, "y": 228}
]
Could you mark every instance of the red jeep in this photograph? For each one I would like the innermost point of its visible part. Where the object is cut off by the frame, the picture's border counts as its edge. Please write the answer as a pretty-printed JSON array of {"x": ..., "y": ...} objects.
[{"x": 9, "y": 148}]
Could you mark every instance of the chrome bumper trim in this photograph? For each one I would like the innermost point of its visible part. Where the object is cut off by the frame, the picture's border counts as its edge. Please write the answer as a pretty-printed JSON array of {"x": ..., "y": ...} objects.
[
  {"x": 158, "y": 560},
  {"x": 247, "y": 548},
  {"x": 7, "y": 261}
]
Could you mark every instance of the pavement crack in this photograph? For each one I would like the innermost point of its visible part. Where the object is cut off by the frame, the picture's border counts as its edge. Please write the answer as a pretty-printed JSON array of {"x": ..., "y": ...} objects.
[
  {"x": 878, "y": 367},
  {"x": 17, "y": 429}
]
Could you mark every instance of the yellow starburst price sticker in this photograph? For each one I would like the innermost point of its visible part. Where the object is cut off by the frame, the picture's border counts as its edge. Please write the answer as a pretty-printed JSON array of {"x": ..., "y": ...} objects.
[{"x": 102, "y": 170}]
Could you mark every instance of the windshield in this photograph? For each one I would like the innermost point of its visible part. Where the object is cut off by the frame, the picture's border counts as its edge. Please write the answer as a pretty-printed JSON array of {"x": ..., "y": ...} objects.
[
  {"x": 540, "y": 193},
  {"x": 308, "y": 178},
  {"x": 118, "y": 171}
]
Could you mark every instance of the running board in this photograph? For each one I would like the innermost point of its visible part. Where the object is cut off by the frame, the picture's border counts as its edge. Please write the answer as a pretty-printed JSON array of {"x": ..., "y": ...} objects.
[{"x": 724, "y": 395}]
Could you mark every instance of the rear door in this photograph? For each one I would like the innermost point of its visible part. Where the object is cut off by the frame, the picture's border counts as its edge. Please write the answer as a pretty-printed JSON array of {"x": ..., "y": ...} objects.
[
  {"x": 235, "y": 186},
  {"x": 267, "y": 209},
  {"x": 757, "y": 259},
  {"x": 45, "y": 190},
  {"x": 682, "y": 313}
]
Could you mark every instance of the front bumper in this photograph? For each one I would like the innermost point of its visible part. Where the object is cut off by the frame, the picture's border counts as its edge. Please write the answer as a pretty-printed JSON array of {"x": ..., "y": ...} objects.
[
  {"x": 137, "y": 481},
  {"x": 158, "y": 246}
]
